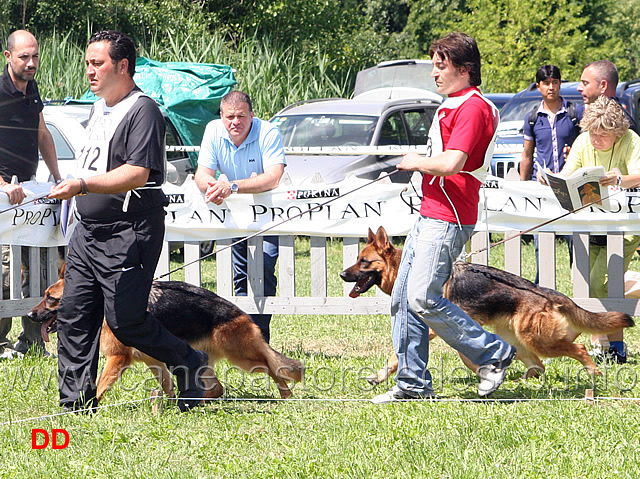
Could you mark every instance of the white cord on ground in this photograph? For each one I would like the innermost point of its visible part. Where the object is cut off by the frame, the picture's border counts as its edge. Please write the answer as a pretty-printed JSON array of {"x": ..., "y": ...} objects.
[{"x": 332, "y": 400}]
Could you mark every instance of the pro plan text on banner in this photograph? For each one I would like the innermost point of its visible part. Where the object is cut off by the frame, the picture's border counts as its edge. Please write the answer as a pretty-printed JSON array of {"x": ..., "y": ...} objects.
[
  {"x": 510, "y": 206},
  {"x": 35, "y": 222},
  {"x": 391, "y": 205}
]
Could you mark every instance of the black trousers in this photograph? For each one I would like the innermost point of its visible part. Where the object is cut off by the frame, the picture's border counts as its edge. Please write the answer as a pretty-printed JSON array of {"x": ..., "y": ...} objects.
[{"x": 110, "y": 268}]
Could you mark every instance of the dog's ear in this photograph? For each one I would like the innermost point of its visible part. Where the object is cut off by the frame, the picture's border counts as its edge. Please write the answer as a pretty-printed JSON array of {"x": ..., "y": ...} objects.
[
  {"x": 382, "y": 240},
  {"x": 371, "y": 237},
  {"x": 61, "y": 274}
]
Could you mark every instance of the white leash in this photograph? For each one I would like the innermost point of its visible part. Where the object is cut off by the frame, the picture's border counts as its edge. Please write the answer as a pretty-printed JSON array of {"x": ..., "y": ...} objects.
[{"x": 269, "y": 228}]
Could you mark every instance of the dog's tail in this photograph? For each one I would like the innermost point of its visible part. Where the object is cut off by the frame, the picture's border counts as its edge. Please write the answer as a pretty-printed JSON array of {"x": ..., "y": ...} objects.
[
  {"x": 286, "y": 368},
  {"x": 596, "y": 323}
]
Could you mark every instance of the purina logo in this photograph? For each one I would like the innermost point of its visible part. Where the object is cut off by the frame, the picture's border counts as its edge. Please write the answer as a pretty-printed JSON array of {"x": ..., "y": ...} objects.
[
  {"x": 174, "y": 198},
  {"x": 310, "y": 194}
]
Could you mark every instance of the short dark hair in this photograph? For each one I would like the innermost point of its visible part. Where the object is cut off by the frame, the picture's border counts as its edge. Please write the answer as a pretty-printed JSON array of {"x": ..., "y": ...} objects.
[
  {"x": 120, "y": 46},
  {"x": 548, "y": 71},
  {"x": 462, "y": 51},
  {"x": 605, "y": 70},
  {"x": 235, "y": 97}
]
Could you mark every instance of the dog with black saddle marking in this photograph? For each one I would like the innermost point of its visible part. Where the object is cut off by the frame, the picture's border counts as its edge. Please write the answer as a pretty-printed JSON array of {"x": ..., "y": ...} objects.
[
  {"x": 537, "y": 321},
  {"x": 200, "y": 317}
]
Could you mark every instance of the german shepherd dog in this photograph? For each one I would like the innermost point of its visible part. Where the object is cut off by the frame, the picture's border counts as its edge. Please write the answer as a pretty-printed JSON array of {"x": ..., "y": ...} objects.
[
  {"x": 200, "y": 317},
  {"x": 537, "y": 321}
]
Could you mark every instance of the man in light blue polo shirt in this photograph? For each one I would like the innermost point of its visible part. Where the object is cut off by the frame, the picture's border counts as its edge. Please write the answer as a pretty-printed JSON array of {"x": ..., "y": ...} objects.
[{"x": 249, "y": 152}]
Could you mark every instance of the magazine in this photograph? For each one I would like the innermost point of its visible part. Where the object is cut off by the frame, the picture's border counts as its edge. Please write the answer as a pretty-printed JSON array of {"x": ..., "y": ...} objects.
[{"x": 580, "y": 188}]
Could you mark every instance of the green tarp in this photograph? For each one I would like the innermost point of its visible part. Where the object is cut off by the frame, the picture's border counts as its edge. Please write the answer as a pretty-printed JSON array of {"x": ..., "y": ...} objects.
[{"x": 189, "y": 93}]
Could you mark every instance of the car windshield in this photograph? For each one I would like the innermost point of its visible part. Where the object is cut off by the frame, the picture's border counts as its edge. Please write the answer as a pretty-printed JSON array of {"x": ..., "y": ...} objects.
[
  {"x": 517, "y": 108},
  {"x": 407, "y": 74},
  {"x": 325, "y": 130}
]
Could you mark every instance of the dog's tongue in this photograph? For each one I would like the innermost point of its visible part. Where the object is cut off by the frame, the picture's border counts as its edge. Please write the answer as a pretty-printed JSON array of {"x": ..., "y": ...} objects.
[
  {"x": 44, "y": 330},
  {"x": 354, "y": 293},
  {"x": 45, "y": 334}
]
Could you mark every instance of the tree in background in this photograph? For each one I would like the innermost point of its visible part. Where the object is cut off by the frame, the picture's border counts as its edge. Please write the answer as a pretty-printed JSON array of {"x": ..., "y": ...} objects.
[
  {"x": 619, "y": 32},
  {"x": 428, "y": 20},
  {"x": 78, "y": 18},
  {"x": 344, "y": 36},
  {"x": 515, "y": 38}
]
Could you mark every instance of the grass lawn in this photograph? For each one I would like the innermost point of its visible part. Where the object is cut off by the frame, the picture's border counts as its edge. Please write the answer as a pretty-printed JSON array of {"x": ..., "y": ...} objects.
[{"x": 537, "y": 428}]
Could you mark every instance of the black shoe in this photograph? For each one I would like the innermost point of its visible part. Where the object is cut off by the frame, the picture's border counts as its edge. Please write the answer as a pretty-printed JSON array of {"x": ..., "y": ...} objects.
[
  {"x": 190, "y": 383},
  {"x": 611, "y": 355},
  {"x": 396, "y": 394},
  {"x": 616, "y": 356},
  {"x": 80, "y": 407}
]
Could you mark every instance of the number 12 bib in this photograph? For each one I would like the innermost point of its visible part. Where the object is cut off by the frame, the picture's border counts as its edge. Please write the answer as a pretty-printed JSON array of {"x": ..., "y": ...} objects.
[{"x": 93, "y": 158}]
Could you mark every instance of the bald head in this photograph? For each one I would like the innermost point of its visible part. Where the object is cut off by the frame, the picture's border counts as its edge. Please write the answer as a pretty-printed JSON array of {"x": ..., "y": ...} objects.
[
  {"x": 19, "y": 39},
  {"x": 23, "y": 58}
]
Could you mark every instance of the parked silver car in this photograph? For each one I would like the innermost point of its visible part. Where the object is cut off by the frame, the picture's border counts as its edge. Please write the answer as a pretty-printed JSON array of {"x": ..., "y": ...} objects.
[
  {"x": 394, "y": 104},
  {"x": 330, "y": 123}
]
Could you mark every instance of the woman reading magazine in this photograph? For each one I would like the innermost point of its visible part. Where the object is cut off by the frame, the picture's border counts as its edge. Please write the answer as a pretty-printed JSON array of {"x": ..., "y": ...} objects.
[{"x": 606, "y": 141}]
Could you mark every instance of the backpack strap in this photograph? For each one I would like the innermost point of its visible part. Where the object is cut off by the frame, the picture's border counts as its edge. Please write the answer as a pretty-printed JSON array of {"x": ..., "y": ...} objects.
[
  {"x": 571, "y": 111},
  {"x": 533, "y": 116}
]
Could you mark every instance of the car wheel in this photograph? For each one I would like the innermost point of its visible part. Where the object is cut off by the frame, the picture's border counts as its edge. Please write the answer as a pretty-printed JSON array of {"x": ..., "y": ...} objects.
[{"x": 206, "y": 248}]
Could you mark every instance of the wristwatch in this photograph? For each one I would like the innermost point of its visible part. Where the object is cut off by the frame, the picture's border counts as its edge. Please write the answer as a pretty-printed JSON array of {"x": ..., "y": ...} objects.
[
  {"x": 83, "y": 187},
  {"x": 234, "y": 187}
]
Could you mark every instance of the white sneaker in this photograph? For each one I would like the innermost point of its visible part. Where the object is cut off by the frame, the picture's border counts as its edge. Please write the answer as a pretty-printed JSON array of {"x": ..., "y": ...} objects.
[
  {"x": 396, "y": 394},
  {"x": 492, "y": 375},
  {"x": 11, "y": 354}
]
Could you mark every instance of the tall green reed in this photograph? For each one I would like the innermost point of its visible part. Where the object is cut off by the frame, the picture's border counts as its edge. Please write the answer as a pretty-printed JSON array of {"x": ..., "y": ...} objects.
[
  {"x": 272, "y": 74},
  {"x": 61, "y": 72}
]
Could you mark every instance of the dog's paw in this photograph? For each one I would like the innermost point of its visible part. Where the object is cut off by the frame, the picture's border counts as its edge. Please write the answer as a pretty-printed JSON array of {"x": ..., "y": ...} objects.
[
  {"x": 373, "y": 380},
  {"x": 213, "y": 390},
  {"x": 533, "y": 372}
]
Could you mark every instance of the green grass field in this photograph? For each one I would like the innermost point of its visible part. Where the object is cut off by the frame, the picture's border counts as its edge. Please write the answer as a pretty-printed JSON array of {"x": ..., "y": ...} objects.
[{"x": 538, "y": 428}]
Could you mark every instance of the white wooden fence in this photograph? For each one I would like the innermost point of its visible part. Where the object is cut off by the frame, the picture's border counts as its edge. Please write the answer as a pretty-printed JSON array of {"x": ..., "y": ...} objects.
[{"x": 290, "y": 302}]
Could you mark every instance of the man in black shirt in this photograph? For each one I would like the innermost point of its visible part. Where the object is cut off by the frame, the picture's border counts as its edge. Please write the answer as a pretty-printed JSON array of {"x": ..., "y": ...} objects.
[
  {"x": 601, "y": 78},
  {"x": 22, "y": 133},
  {"x": 115, "y": 247}
]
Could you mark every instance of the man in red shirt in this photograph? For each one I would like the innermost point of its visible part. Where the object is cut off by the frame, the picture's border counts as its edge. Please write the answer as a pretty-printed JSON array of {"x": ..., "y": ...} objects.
[{"x": 461, "y": 140}]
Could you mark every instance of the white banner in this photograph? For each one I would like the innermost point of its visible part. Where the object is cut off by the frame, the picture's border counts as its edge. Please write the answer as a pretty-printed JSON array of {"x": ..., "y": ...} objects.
[
  {"x": 347, "y": 208},
  {"x": 312, "y": 209},
  {"x": 36, "y": 222},
  {"x": 520, "y": 205}
]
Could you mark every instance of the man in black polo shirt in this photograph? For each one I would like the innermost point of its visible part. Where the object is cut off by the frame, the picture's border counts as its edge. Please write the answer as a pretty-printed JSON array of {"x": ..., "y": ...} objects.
[
  {"x": 22, "y": 133},
  {"x": 601, "y": 78},
  {"x": 115, "y": 247}
]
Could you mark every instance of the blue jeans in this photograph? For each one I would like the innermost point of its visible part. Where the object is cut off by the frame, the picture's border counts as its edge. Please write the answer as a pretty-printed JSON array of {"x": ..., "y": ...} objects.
[
  {"x": 239, "y": 262},
  {"x": 417, "y": 303}
]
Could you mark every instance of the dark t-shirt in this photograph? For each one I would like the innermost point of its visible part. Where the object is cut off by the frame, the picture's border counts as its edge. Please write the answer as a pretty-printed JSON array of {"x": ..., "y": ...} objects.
[
  {"x": 138, "y": 140},
  {"x": 633, "y": 125},
  {"x": 19, "y": 121}
]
